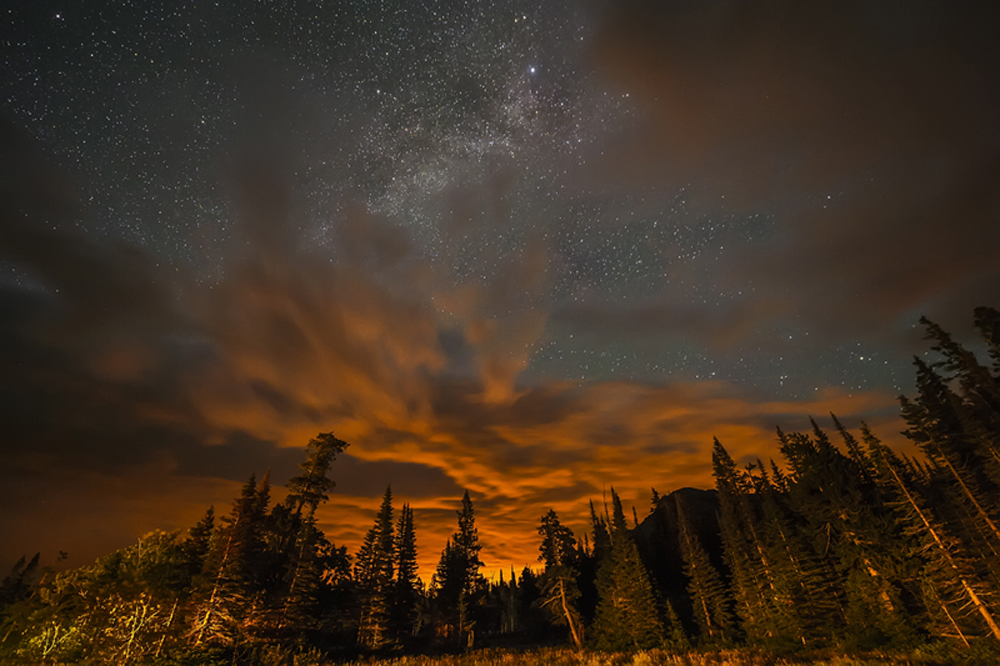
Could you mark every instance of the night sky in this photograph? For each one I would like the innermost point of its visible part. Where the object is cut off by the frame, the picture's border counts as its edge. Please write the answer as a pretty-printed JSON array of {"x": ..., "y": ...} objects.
[{"x": 531, "y": 249}]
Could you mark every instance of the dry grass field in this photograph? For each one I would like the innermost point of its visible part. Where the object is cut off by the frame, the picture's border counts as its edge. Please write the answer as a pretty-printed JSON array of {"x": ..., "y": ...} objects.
[{"x": 566, "y": 657}]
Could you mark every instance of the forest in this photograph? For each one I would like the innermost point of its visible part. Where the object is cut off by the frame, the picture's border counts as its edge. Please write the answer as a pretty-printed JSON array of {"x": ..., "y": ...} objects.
[{"x": 843, "y": 546}]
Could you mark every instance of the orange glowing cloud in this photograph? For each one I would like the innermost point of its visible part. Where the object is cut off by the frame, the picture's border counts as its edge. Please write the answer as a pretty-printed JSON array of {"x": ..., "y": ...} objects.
[{"x": 628, "y": 436}]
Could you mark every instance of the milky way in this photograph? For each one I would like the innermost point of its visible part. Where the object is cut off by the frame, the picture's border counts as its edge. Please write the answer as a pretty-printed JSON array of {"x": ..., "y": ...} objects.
[{"x": 469, "y": 127}]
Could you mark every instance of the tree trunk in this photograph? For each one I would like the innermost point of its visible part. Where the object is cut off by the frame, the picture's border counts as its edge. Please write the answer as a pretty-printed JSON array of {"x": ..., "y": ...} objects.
[
  {"x": 968, "y": 493},
  {"x": 569, "y": 616},
  {"x": 973, "y": 597}
]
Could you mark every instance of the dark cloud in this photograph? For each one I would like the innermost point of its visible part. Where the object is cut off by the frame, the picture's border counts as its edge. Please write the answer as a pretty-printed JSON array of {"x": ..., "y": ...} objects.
[
  {"x": 94, "y": 286},
  {"x": 867, "y": 129},
  {"x": 546, "y": 496},
  {"x": 113, "y": 365},
  {"x": 664, "y": 320},
  {"x": 89, "y": 359},
  {"x": 410, "y": 481},
  {"x": 115, "y": 370}
]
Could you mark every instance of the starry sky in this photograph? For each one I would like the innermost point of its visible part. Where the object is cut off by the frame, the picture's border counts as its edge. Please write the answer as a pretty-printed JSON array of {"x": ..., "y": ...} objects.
[{"x": 528, "y": 249}]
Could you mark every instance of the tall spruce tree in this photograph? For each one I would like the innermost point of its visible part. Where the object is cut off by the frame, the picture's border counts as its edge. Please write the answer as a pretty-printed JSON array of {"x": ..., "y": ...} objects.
[
  {"x": 303, "y": 569},
  {"x": 839, "y": 499},
  {"x": 18, "y": 611},
  {"x": 296, "y": 542},
  {"x": 954, "y": 593},
  {"x": 955, "y": 420},
  {"x": 307, "y": 490},
  {"x": 448, "y": 606},
  {"x": 601, "y": 533},
  {"x": 373, "y": 574},
  {"x": 407, "y": 586},
  {"x": 199, "y": 540},
  {"x": 709, "y": 596},
  {"x": 939, "y": 423},
  {"x": 559, "y": 590},
  {"x": 228, "y": 578},
  {"x": 627, "y": 616},
  {"x": 748, "y": 563},
  {"x": 801, "y": 574},
  {"x": 987, "y": 323},
  {"x": 458, "y": 585},
  {"x": 466, "y": 540},
  {"x": 592, "y": 552}
]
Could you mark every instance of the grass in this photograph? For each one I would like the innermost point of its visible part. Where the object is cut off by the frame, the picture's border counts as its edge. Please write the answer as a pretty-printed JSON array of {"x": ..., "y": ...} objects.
[
  {"x": 285, "y": 656},
  {"x": 566, "y": 657}
]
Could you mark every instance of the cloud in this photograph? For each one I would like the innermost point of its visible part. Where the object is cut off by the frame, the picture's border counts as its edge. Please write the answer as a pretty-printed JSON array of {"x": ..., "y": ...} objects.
[
  {"x": 866, "y": 130},
  {"x": 499, "y": 320},
  {"x": 133, "y": 397},
  {"x": 560, "y": 446},
  {"x": 659, "y": 320},
  {"x": 114, "y": 367}
]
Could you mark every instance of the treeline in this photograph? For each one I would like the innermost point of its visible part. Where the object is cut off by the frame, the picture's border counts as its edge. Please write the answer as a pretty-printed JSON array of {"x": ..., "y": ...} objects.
[
  {"x": 841, "y": 544},
  {"x": 859, "y": 546}
]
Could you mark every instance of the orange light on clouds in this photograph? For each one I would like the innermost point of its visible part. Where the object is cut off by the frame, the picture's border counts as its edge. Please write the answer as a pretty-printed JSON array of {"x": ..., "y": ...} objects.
[{"x": 631, "y": 437}]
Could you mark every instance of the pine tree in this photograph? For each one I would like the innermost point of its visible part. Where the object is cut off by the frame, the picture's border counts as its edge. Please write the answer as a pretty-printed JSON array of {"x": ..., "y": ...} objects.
[
  {"x": 776, "y": 576},
  {"x": 457, "y": 584},
  {"x": 966, "y": 420},
  {"x": 987, "y": 322},
  {"x": 752, "y": 579},
  {"x": 528, "y": 597},
  {"x": 953, "y": 590},
  {"x": 199, "y": 541},
  {"x": 228, "y": 577},
  {"x": 601, "y": 534},
  {"x": 374, "y": 575},
  {"x": 447, "y": 594},
  {"x": 676, "y": 639},
  {"x": 304, "y": 577},
  {"x": 626, "y": 617},
  {"x": 16, "y": 586},
  {"x": 938, "y": 427},
  {"x": 310, "y": 488},
  {"x": 559, "y": 590},
  {"x": 16, "y": 590},
  {"x": 558, "y": 546},
  {"x": 709, "y": 596},
  {"x": 955, "y": 420},
  {"x": 862, "y": 464},
  {"x": 590, "y": 553},
  {"x": 974, "y": 378},
  {"x": 855, "y": 531},
  {"x": 803, "y": 580},
  {"x": 295, "y": 542},
  {"x": 466, "y": 540},
  {"x": 407, "y": 586}
]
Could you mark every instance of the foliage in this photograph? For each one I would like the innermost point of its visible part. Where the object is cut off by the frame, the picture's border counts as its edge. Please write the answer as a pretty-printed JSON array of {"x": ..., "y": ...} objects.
[
  {"x": 457, "y": 587},
  {"x": 373, "y": 573},
  {"x": 407, "y": 591},
  {"x": 627, "y": 617},
  {"x": 709, "y": 598},
  {"x": 560, "y": 594}
]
